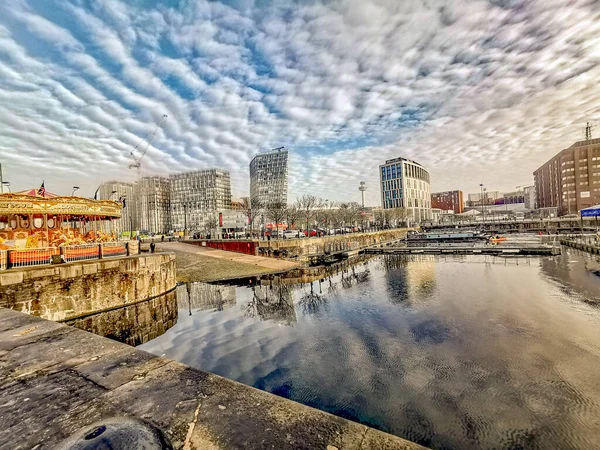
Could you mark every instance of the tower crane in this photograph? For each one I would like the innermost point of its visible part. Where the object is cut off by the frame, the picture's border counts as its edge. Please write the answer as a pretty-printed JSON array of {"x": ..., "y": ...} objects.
[{"x": 137, "y": 159}]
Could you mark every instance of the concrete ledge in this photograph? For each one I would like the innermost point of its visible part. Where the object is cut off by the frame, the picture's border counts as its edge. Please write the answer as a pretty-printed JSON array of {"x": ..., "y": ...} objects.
[{"x": 55, "y": 380}]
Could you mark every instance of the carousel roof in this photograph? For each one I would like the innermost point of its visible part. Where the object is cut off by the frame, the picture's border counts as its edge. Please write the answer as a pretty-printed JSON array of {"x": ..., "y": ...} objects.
[
  {"x": 34, "y": 193},
  {"x": 51, "y": 204}
]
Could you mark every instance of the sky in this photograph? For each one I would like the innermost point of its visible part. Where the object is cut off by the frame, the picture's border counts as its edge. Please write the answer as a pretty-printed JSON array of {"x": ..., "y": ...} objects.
[{"x": 477, "y": 91}]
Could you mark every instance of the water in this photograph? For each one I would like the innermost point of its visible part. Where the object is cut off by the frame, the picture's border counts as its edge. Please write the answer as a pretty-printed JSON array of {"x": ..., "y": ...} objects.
[{"x": 451, "y": 352}]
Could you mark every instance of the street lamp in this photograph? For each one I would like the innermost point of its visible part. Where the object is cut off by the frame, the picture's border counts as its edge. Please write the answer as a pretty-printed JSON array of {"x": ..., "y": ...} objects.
[
  {"x": 481, "y": 197},
  {"x": 112, "y": 193},
  {"x": 7, "y": 184},
  {"x": 75, "y": 188}
]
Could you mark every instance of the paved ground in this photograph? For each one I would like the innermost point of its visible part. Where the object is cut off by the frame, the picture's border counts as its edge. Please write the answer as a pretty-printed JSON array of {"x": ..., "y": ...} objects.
[
  {"x": 195, "y": 263},
  {"x": 56, "y": 380}
]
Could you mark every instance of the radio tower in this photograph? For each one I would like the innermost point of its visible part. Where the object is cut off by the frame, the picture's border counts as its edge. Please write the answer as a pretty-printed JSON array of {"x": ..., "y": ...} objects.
[{"x": 362, "y": 188}]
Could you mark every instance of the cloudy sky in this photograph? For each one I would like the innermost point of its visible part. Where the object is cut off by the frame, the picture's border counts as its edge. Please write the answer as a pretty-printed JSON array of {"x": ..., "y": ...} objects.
[{"x": 475, "y": 90}]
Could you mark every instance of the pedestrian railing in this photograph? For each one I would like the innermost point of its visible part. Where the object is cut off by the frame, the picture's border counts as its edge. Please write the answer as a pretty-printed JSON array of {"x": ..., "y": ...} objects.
[
  {"x": 10, "y": 259},
  {"x": 3, "y": 259},
  {"x": 81, "y": 252},
  {"x": 31, "y": 256},
  {"x": 113, "y": 249}
]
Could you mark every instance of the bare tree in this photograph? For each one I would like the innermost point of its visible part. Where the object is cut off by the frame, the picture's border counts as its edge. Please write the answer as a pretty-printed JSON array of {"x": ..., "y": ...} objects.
[
  {"x": 252, "y": 210},
  {"x": 210, "y": 224},
  {"x": 292, "y": 214},
  {"x": 275, "y": 212},
  {"x": 308, "y": 204}
]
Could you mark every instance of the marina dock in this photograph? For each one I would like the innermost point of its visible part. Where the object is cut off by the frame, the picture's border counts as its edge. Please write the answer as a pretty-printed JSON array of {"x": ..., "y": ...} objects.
[{"x": 539, "y": 250}]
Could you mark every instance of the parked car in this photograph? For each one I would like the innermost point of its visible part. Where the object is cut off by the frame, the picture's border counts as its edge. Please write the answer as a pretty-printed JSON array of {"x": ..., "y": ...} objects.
[{"x": 293, "y": 234}]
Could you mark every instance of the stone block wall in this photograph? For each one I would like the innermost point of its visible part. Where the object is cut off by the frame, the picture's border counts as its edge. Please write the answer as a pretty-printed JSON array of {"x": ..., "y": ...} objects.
[
  {"x": 72, "y": 290},
  {"x": 302, "y": 248}
]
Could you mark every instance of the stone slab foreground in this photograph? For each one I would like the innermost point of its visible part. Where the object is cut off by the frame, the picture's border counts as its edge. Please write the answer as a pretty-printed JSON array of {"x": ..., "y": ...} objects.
[{"x": 55, "y": 379}]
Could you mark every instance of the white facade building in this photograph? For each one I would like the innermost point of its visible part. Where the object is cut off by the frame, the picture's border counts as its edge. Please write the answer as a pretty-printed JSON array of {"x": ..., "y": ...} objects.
[
  {"x": 269, "y": 177},
  {"x": 115, "y": 190},
  {"x": 406, "y": 184},
  {"x": 151, "y": 205},
  {"x": 197, "y": 198}
]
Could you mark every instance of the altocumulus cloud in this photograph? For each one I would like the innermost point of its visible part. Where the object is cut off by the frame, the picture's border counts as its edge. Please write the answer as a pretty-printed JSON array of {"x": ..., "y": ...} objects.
[{"x": 476, "y": 90}]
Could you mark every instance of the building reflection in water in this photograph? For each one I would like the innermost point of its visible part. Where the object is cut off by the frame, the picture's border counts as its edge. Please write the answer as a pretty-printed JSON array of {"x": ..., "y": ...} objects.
[
  {"x": 203, "y": 296},
  {"x": 411, "y": 278},
  {"x": 134, "y": 324}
]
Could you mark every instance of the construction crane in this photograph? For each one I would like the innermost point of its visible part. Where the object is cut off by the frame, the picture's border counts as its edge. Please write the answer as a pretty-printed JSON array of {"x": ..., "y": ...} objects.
[
  {"x": 137, "y": 160},
  {"x": 277, "y": 149}
]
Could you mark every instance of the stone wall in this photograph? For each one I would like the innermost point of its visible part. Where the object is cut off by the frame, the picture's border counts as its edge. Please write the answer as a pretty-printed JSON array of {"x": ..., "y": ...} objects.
[
  {"x": 302, "y": 248},
  {"x": 133, "y": 324},
  {"x": 72, "y": 290}
]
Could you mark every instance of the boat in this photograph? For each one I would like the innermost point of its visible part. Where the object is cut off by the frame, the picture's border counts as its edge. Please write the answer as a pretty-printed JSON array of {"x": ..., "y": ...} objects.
[{"x": 445, "y": 236}]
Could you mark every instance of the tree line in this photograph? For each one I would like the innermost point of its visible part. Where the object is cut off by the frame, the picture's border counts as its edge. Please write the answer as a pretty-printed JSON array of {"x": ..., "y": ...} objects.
[{"x": 310, "y": 211}]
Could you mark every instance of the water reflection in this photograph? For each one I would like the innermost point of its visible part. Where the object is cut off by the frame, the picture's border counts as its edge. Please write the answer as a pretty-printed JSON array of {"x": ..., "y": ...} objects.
[
  {"x": 273, "y": 301},
  {"x": 452, "y": 352},
  {"x": 203, "y": 296},
  {"x": 134, "y": 324}
]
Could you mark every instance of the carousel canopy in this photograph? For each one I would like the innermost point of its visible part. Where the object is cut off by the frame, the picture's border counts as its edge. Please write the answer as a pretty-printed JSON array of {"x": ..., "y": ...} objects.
[
  {"x": 54, "y": 205},
  {"x": 34, "y": 193}
]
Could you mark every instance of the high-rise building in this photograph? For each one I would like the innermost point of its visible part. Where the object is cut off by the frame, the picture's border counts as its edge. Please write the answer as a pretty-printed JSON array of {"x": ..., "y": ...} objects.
[
  {"x": 448, "y": 201},
  {"x": 152, "y": 204},
  {"x": 530, "y": 201},
  {"x": 198, "y": 197},
  {"x": 115, "y": 190},
  {"x": 269, "y": 177},
  {"x": 570, "y": 181},
  {"x": 406, "y": 184}
]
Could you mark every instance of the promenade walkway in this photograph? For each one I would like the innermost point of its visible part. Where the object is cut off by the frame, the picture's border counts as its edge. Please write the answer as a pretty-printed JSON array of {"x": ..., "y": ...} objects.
[{"x": 196, "y": 263}]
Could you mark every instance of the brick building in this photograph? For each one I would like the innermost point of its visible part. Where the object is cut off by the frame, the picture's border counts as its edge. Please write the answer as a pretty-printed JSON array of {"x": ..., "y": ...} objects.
[
  {"x": 570, "y": 181},
  {"x": 449, "y": 200}
]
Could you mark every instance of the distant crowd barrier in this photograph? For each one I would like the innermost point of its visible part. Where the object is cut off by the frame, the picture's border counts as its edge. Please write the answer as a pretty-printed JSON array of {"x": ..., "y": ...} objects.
[
  {"x": 247, "y": 247},
  {"x": 53, "y": 255}
]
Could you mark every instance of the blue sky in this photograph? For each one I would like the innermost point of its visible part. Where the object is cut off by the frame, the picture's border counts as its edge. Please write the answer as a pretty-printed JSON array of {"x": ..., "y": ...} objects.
[{"x": 475, "y": 90}]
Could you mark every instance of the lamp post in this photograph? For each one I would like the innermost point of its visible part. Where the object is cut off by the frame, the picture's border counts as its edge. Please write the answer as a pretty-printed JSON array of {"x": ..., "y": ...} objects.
[
  {"x": 481, "y": 197},
  {"x": 111, "y": 194},
  {"x": 75, "y": 188},
  {"x": 7, "y": 184},
  {"x": 185, "y": 206}
]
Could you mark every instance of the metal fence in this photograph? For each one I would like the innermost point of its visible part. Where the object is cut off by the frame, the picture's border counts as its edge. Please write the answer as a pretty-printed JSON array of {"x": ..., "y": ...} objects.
[
  {"x": 3, "y": 259},
  {"x": 81, "y": 252},
  {"x": 31, "y": 256},
  {"x": 42, "y": 256},
  {"x": 114, "y": 249}
]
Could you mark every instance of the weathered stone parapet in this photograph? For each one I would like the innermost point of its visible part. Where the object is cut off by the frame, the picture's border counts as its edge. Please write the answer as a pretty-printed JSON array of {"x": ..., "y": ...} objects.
[
  {"x": 302, "y": 248},
  {"x": 55, "y": 380},
  {"x": 71, "y": 290}
]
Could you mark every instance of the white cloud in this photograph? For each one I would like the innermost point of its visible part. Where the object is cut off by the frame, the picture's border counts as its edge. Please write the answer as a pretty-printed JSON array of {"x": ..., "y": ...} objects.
[{"x": 477, "y": 91}]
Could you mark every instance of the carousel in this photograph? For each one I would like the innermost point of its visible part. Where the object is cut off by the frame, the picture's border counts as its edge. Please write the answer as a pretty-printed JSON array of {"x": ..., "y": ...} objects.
[{"x": 30, "y": 220}]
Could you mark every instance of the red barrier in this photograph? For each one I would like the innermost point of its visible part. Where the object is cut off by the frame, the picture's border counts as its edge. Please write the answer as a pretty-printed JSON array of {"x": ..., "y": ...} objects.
[{"x": 246, "y": 247}]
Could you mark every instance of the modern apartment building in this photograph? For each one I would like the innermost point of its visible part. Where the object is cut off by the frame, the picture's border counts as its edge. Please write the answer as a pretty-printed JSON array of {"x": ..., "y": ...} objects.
[
  {"x": 530, "y": 200},
  {"x": 448, "y": 201},
  {"x": 151, "y": 205},
  {"x": 269, "y": 177},
  {"x": 198, "y": 197},
  {"x": 570, "y": 181},
  {"x": 115, "y": 190},
  {"x": 406, "y": 184}
]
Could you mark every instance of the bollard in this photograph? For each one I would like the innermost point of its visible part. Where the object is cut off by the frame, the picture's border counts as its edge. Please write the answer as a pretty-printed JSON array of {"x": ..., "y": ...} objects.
[{"x": 119, "y": 433}]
